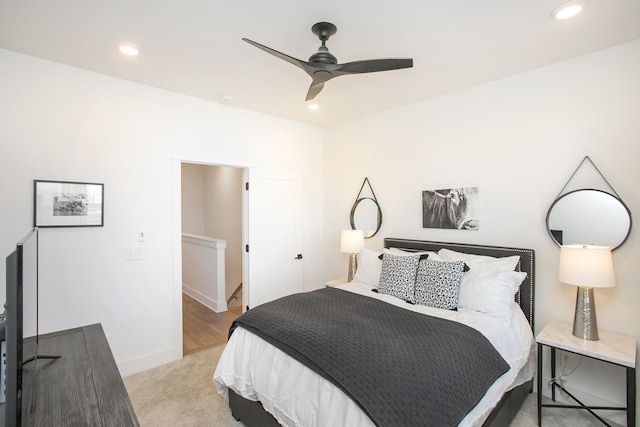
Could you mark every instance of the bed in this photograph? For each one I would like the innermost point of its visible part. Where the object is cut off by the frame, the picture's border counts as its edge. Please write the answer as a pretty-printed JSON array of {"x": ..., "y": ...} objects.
[{"x": 270, "y": 384}]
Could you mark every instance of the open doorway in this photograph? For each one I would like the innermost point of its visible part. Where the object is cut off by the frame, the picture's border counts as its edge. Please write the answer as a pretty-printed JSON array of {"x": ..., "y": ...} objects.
[{"x": 211, "y": 211}]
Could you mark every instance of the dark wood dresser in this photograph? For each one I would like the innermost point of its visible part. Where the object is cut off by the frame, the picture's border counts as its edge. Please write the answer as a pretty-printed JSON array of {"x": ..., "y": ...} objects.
[{"x": 81, "y": 388}]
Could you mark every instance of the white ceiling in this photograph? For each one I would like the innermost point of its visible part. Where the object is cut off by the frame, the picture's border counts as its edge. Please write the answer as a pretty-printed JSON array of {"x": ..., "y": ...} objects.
[{"x": 194, "y": 46}]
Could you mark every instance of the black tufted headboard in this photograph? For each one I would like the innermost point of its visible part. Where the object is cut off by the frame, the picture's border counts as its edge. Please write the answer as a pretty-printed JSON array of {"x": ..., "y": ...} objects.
[{"x": 524, "y": 297}]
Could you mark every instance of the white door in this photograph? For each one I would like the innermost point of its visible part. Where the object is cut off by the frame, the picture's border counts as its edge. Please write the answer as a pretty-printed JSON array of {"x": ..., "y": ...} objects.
[{"x": 273, "y": 265}]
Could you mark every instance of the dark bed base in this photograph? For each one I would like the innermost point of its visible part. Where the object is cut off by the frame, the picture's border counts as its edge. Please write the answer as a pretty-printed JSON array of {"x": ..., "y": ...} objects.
[
  {"x": 252, "y": 414},
  {"x": 509, "y": 405}
]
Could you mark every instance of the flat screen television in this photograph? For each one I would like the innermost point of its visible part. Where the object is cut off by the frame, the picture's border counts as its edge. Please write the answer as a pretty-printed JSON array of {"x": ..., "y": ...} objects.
[
  {"x": 12, "y": 347},
  {"x": 21, "y": 321}
]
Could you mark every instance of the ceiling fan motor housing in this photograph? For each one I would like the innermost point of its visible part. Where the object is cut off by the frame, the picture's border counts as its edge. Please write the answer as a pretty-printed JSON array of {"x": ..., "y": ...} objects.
[{"x": 323, "y": 56}]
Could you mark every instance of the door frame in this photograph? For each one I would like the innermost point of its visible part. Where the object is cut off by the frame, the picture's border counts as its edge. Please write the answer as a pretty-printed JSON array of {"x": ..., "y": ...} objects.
[{"x": 176, "y": 241}]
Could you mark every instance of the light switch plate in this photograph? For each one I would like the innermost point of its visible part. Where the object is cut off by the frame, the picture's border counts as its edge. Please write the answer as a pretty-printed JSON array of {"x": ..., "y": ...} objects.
[{"x": 134, "y": 253}]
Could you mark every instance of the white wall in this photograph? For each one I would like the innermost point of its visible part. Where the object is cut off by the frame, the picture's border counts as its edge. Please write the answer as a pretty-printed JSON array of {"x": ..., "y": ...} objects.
[
  {"x": 223, "y": 218},
  {"x": 63, "y": 123},
  {"x": 518, "y": 140},
  {"x": 192, "y": 198}
]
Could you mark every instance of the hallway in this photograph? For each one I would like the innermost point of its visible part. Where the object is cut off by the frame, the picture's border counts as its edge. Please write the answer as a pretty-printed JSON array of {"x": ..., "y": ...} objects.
[{"x": 203, "y": 328}]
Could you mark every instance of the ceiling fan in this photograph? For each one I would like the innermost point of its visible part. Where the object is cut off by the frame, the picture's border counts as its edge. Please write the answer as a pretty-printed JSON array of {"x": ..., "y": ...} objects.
[{"x": 323, "y": 66}]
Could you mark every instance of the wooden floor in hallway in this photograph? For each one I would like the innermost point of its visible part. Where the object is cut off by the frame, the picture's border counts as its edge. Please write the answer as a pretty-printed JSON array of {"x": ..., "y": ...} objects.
[{"x": 203, "y": 328}]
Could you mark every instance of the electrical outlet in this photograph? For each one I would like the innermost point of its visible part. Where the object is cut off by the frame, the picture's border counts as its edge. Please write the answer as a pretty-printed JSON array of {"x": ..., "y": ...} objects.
[
  {"x": 141, "y": 236},
  {"x": 134, "y": 253}
]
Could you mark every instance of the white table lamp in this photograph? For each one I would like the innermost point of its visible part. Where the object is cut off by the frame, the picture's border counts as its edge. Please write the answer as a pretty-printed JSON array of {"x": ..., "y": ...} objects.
[
  {"x": 351, "y": 242},
  {"x": 588, "y": 267}
]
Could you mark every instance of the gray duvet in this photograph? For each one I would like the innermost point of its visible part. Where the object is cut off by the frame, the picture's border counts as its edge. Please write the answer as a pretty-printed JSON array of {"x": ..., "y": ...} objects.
[{"x": 402, "y": 368}]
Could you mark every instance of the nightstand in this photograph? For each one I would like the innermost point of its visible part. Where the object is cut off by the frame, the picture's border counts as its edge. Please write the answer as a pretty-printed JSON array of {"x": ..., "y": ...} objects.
[
  {"x": 335, "y": 283},
  {"x": 611, "y": 348}
]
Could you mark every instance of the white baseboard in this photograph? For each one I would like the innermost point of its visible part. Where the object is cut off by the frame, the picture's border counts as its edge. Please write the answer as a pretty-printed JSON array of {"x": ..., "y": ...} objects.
[
  {"x": 217, "y": 306},
  {"x": 168, "y": 355},
  {"x": 140, "y": 364}
]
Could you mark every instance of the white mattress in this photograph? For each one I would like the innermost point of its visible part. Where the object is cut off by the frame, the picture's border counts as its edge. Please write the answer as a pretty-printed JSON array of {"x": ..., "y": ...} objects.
[{"x": 297, "y": 396}]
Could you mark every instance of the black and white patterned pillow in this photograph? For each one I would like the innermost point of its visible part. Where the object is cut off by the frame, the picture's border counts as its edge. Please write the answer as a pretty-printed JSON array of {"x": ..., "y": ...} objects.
[
  {"x": 398, "y": 276},
  {"x": 438, "y": 283}
]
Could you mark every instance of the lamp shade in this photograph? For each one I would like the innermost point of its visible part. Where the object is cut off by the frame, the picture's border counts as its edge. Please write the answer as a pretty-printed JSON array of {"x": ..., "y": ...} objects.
[
  {"x": 351, "y": 241},
  {"x": 586, "y": 265}
]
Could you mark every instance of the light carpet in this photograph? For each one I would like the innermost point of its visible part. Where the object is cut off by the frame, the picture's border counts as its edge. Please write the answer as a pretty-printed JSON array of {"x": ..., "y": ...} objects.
[{"x": 182, "y": 393}]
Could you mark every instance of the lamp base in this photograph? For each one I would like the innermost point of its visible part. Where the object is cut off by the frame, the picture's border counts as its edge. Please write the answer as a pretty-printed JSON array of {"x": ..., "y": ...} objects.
[
  {"x": 353, "y": 266},
  {"x": 585, "y": 324}
]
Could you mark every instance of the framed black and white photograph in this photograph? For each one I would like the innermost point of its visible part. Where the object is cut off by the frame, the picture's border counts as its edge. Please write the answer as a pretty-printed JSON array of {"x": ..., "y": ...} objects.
[
  {"x": 451, "y": 208},
  {"x": 68, "y": 204}
]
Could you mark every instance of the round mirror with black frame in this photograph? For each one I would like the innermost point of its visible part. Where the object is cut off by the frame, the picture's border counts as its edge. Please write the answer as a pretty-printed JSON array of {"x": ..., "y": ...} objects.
[
  {"x": 366, "y": 215},
  {"x": 589, "y": 216}
]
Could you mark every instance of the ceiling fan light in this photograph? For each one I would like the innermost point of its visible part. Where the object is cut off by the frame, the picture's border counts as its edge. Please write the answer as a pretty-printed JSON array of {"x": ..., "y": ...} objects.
[
  {"x": 313, "y": 107},
  {"x": 568, "y": 9}
]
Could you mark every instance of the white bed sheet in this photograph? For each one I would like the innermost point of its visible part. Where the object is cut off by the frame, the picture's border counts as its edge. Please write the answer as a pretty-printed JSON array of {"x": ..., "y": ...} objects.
[{"x": 297, "y": 396}]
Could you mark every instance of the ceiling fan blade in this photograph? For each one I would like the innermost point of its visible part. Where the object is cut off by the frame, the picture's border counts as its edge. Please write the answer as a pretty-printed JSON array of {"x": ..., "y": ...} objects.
[
  {"x": 314, "y": 90},
  {"x": 319, "y": 78},
  {"x": 290, "y": 59},
  {"x": 374, "y": 65}
]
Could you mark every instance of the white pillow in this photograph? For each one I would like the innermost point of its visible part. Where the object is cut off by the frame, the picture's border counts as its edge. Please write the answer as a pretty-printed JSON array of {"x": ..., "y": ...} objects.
[
  {"x": 490, "y": 284},
  {"x": 370, "y": 264},
  {"x": 395, "y": 251},
  {"x": 484, "y": 262},
  {"x": 490, "y": 291},
  {"x": 369, "y": 268}
]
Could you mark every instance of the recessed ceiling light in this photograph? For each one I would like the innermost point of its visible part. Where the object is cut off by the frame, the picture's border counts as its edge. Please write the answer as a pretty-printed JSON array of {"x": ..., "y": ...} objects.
[
  {"x": 313, "y": 107},
  {"x": 568, "y": 9},
  {"x": 128, "y": 50},
  {"x": 227, "y": 97}
]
